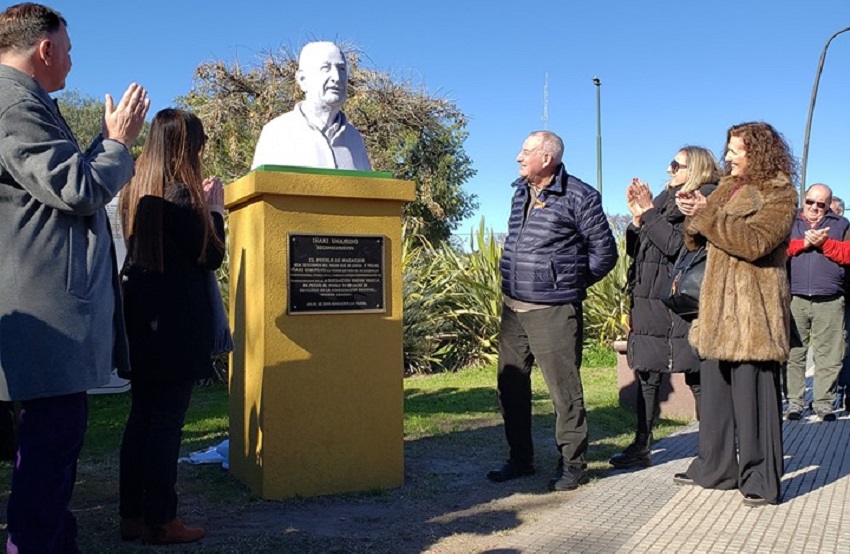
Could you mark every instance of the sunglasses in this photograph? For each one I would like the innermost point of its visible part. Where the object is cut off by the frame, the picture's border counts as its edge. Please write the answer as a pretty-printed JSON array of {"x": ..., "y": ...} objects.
[
  {"x": 810, "y": 202},
  {"x": 676, "y": 166}
]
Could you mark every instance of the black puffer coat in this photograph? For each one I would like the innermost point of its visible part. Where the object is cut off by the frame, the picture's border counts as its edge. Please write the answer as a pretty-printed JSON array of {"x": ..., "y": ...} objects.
[{"x": 659, "y": 338}]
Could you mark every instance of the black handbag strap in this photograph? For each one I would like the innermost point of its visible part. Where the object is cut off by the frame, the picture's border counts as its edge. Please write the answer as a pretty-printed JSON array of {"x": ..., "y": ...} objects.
[{"x": 689, "y": 258}]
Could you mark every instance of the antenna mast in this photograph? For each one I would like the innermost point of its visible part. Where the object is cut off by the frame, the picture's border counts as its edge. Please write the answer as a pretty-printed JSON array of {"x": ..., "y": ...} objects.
[{"x": 545, "y": 100}]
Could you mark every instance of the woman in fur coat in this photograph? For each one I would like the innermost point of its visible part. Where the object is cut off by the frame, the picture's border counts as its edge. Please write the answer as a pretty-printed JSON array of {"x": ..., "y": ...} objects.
[
  {"x": 658, "y": 341},
  {"x": 744, "y": 318}
]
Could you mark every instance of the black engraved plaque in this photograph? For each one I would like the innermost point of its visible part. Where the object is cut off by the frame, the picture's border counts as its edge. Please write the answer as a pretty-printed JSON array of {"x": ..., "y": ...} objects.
[{"x": 336, "y": 273}]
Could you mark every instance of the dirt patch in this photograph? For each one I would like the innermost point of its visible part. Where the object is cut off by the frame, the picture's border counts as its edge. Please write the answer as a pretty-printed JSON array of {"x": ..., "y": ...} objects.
[{"x": 445, "y": 505}]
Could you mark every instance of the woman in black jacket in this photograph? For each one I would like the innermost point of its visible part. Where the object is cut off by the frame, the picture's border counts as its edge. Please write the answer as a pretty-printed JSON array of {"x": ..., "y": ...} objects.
[
  {"x": 174, "y": 230},
  {"x": 658, "y": 342}
]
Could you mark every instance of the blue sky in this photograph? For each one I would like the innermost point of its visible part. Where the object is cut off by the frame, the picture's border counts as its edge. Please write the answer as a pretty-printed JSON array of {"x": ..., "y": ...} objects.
[{"x": 673, "y": 73}]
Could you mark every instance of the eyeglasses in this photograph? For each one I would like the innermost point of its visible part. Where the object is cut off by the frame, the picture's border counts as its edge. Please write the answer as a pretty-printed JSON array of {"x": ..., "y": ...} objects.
[
  {"x": 676, "y": 166},
  {"x": 810, "y": 202}
]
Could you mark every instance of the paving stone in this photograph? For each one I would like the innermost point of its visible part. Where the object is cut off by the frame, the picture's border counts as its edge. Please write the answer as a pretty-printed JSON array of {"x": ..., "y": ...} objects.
[{"x": 643, "y": 511}]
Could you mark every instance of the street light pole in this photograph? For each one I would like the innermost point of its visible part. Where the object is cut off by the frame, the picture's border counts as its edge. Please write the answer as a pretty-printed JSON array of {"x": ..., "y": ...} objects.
[
  {"x": 598, "y": 83},
  {"x": 811, "y": 111}
]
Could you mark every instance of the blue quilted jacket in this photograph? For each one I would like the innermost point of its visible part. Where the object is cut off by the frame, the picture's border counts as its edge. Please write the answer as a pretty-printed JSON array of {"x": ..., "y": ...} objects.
[{"x": 562, "y": 246}]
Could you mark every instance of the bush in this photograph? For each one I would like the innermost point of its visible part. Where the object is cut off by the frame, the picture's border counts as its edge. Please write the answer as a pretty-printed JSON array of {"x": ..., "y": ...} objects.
[
  {"x": 606, "y": 310},
  {"x": 453, "y": 303}
]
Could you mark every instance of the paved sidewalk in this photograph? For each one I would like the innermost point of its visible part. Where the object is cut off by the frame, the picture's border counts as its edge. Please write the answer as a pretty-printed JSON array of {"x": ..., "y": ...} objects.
[{"x": 643, "y": 511}]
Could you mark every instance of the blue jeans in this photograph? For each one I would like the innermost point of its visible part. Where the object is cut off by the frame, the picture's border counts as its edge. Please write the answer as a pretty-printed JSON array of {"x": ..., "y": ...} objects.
[{"x": 50, "y": 437}]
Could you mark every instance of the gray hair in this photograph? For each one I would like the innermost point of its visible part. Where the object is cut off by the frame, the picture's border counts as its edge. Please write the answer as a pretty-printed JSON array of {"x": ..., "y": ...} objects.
[
  {"x": 551, "y": 144},
  {"x": 839, "y": 205}
]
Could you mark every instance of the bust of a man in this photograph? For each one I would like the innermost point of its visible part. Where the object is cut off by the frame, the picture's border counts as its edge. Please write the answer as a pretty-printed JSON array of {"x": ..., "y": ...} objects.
[{"x": 316, "y": 132}]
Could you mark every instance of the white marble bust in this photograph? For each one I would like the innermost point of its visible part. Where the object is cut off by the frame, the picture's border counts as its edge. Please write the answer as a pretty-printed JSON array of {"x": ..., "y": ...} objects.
[{"x": 316, "y": 132}]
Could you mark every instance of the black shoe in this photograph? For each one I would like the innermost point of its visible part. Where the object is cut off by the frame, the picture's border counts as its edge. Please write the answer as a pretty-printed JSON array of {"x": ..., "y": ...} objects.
[
  {"x": 510, "y": 470},
  {"x": 568, "y": 478},
  {"x": 794, "y": 412},
  {"x": 635, "y": 455},
  {"x": 754, "y": 500},
  {"x": 682, "y": 479},
  {"x": 826, "y": 415}
]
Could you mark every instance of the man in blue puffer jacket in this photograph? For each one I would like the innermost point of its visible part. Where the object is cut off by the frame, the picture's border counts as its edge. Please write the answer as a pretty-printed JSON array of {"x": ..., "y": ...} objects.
[{"x": 559, "y": 243}]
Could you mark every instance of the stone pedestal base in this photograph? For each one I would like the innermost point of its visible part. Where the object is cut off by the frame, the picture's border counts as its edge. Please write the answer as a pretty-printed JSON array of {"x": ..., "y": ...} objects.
[{"x": 677, "y": 400}]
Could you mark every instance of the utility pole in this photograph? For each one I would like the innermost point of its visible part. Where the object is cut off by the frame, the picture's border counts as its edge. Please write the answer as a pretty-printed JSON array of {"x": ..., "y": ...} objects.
[
  {"x": 545, "y": 101},
  {"x": 809, "y": 118},
  {"x": 598, "y": 83}
]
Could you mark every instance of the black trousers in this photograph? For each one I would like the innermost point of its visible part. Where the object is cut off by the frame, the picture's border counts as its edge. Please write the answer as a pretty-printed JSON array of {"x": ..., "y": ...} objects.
[
  {"x": 150, "y": 448},
  {"x": 746, "y": 397},
  {"x": 648, "y": 406},
  {"x": 553, "y": 338},
  {"x": 7, "y": 431},
  {"x": 50, "y": 437}
]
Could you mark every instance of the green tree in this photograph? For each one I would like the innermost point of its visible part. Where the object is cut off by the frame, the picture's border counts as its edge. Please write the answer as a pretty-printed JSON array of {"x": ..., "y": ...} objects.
[
  {"x": 84, "y": 115},
  {"x": 408, "y": 132}
]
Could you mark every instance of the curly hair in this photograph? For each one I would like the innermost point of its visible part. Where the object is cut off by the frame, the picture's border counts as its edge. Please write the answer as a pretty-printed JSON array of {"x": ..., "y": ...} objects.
[{"x": 768, "y": 154}]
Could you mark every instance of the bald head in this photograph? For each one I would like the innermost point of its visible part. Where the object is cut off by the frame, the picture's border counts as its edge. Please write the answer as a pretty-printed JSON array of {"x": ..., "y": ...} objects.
[
  {"x": 323, "y": 74},
  {"x": 818, "y": 199}
]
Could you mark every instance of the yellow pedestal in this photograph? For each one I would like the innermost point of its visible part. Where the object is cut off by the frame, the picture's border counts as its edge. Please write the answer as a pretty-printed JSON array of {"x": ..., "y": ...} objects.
[{"x": 316, "y": 399}]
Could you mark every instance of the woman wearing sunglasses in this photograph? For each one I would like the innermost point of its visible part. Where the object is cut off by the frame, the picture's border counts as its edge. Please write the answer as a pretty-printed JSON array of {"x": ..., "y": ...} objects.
[
  {"x": 744, "y": 318},
  {"x": 658, "y": 342}
]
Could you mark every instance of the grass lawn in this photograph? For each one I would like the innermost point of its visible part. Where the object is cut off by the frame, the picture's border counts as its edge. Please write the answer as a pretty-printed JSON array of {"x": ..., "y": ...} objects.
[
  {"x": 444, "y": 403},
  {"x": 450, "y": 414}
]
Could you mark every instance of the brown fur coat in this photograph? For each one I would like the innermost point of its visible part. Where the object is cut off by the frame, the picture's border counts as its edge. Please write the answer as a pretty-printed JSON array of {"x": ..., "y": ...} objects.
[{"x": 745, "y": 298}]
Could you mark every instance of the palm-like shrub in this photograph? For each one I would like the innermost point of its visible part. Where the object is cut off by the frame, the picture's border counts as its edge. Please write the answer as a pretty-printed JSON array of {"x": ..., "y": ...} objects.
[
  {"x": 477, "y": 299},
  {"x": 453, "y": 303},
  {"x": 606, "y": 310},
  {"x": 425, "y": 285}
]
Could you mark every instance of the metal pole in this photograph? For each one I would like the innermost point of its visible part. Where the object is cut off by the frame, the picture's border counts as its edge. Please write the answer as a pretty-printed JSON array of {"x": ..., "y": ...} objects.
[
  {"x": 598, "y": 83},
  {"x": 809, "y": 118}
]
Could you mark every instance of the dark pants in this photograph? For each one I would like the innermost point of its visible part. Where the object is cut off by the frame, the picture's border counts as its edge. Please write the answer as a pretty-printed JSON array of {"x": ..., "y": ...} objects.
[
  {"x": 553, "y": 338},
  {"x": 844, "y": 375},
  {"x": 150, "y": 448},
  {"x": 50, "y": 436},
  {"x": 8, "y": 443},
  {"x": 648, "y": 406},
  {"x": 743, "y": 396}
]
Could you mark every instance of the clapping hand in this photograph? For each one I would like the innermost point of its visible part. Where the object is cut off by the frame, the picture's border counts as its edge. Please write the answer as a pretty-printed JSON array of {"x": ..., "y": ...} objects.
[
  {"x": 638, "y": 197},
  {"x": 124, "y": 122},
  {"x": 816, "y": 237},
  {"x": 215, "y": 194},
  {"x": 690, "y": 203}
]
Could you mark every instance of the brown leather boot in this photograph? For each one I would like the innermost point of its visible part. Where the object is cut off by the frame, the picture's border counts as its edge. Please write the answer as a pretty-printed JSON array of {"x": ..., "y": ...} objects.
[
  {"x": 173, "y": 532},
  {"x": 131, "y": 528}
]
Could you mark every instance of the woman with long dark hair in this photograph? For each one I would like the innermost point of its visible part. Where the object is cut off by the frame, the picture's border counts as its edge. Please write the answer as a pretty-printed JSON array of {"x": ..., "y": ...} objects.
[
  {"x": 174, "y": 230},
  {"x": 658, "y": 338},
  {"x": 744, "y": 319}
]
